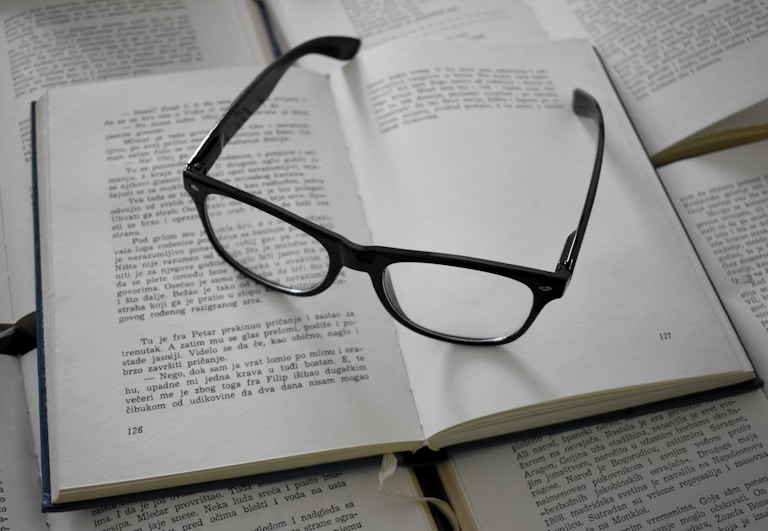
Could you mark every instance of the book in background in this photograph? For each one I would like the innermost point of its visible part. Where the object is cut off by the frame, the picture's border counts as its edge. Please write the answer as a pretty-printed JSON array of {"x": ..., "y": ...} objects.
[
  {"x": 54, "y": 43},
  {"x": 700, "y": 466},
  {"x": 691, "y": 76}
]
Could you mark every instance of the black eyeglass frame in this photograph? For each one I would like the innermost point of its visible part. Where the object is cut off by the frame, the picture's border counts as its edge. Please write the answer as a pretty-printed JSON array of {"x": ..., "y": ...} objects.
[{"x": 546, "y": 286}]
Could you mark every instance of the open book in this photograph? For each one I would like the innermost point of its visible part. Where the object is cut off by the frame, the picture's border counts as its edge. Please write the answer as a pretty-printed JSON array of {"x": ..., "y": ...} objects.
[
  {"x": 674, "y": 66},
  {"x": 182, "y": 353}
]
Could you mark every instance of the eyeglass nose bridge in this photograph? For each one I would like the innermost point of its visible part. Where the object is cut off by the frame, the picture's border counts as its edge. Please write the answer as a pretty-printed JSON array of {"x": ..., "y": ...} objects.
[
  {"x": 373, "y": 261},
  {"x": 370, "y": 260},
  {"x": 356, "y": 256}
]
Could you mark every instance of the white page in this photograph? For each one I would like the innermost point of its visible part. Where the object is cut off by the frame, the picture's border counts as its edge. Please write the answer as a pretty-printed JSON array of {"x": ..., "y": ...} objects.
[
  {"x": 471, "y": 183},
  {"x": 678, "y": 68},
  {"x": 721, "y": 199},
  {"x": 367, "y": 400},
  {"x": 347, "y": 495},
  {"x": 46, "y": 45}
]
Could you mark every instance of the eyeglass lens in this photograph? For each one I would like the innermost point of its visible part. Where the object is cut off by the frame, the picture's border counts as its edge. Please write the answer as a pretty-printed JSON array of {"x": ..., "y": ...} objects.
[
  {"x": 267, "y": 246},
  {"x": 456, "y": 301}
]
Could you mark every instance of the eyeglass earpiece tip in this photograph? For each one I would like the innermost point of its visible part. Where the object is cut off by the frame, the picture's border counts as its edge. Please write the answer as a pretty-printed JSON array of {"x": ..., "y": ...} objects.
[
  {"x": 351, "y": 46},
  {"x": 583, "y": 103}
]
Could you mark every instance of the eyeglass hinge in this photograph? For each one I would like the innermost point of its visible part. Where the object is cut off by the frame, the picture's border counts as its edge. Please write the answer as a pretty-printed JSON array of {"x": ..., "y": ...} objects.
[{"x": 565, "y": 266}]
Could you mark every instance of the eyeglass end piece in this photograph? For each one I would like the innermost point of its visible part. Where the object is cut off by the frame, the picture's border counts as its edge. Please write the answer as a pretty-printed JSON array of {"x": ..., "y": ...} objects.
[
  {"x": 337, "y": 47},
  {"x": 566, "y": 257}
]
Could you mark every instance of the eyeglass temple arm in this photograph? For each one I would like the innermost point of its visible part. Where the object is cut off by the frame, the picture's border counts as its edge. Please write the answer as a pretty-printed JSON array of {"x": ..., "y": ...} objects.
[
  {"x": 250, "y": 99},
  {"x": 584, "y": 105}
]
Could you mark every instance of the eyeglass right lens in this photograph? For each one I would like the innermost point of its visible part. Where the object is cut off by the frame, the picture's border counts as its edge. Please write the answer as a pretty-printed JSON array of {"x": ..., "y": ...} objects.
[
  {"x": 273, "y": 250},
  {"x": 458, "y": 302}
]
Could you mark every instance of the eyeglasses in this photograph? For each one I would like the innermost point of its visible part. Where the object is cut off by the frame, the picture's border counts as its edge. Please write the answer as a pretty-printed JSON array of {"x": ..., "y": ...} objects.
[{"x": 435, "y": 294}]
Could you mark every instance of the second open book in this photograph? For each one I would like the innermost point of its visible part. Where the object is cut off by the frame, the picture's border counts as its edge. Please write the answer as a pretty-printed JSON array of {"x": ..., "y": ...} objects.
[{"x": 163, "y": 367}]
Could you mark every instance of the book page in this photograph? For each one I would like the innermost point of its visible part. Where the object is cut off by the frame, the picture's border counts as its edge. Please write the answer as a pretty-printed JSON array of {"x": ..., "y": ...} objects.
[
  {"x": 699, "y": 466},
  {"x": 19, "y": 473},
  {"x": 47, "y": 43},
  {"x": 347, "y": 496},
  {"x": 295, "y": 21},
  {"x": 6, "y": 314},
  {"x": 335, "y": 499},
  {"x": 678, "y": 67},
  {"x": 472, "y": 148},
  {"x": 179, "y": 347},
  {"x": 721, "y": 199}
]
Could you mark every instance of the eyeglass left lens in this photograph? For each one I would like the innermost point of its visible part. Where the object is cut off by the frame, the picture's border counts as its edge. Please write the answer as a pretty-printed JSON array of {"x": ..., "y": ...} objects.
[{"x": 271, "y": 249}]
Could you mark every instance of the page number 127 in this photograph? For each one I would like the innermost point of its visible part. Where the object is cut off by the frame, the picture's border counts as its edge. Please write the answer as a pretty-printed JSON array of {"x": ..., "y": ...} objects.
[{"x": 664, "y": 336}]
